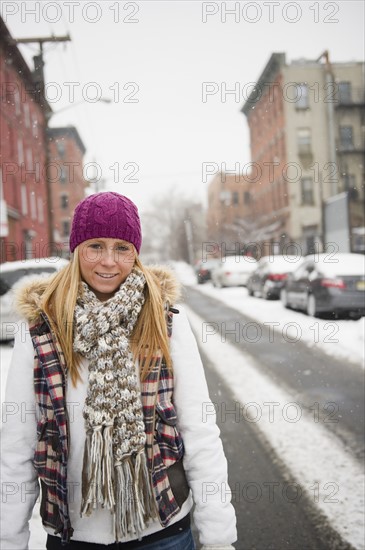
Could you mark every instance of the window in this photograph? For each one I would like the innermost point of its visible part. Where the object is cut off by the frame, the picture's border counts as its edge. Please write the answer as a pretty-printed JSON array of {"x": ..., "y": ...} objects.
[
  {"x": 64, "y": 201},
  {"x": 225, "y": 197},
  {"x": 27, "y": 115},
  {"x": 65, "y": 228},
  {"x": 27, "y": 239},
  {"x": 310, "y": 238},
  {"x": 23, "y": 194},
  {"x": 60, "y": 148},
  {"x": 304, "y": 140},
  {"x": 307, "y": 191},
  {"x": 349, "y": 182},
  {"x": 17, "y": 101},
  {"x": 246, "y": 197},
  {"x": 346, "y": 137},
  {"x": 302, "y": 97},
  {"x": 301, "y": 272},
  {"x": 29, "y": 158},
  {"x": 344, "y": 92},
  {"x": 63, "y": 175},
  {"x": 40, "y": 210},
  {"x": 20, "y": 151},
  {"x": 33, "y": 206},
  {"x": 35, "y": 126},
  {"x": 349, "y": 185},
  {"x": 235, "y": 199},
  {"x": 11, "y": 141}
]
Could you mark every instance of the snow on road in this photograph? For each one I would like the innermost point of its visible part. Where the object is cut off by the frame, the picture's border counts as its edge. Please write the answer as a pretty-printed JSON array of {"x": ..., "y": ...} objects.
[
  {"x": 343, "y": 339},
  {"x": 314, "y": 457}
]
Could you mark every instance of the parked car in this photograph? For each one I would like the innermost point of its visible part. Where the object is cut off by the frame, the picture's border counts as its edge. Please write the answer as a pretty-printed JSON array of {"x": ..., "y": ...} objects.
[
  {"x": 268, "y": 278},
  {"x": 233, "y": 271},
  {"x": 204, "y": 269},
  {"x": 327, "y": 283},
  {"x": 13, "y": 275}
]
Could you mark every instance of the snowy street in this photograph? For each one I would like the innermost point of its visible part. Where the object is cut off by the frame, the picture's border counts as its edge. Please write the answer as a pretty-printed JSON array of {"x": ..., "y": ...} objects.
[
  {"x": 287, "y": 391},
  {"x": 294, "y": 385}
]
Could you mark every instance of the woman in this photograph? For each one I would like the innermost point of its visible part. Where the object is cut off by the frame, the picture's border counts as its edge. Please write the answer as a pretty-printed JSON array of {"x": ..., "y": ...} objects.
[{"x": 117, "y": 441}]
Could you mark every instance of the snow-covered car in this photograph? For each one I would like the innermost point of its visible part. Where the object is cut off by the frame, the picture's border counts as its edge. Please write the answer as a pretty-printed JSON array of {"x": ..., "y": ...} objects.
[
  {"x": 204, "y": 269},
  {"x": 327, "y": 283},
  {"x": 233, "y": 271},
  {"x": 14, "y": 275},
  {"x": 268, "y": 278}
]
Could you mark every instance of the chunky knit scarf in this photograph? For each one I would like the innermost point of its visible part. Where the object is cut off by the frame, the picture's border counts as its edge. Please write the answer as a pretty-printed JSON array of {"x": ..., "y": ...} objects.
[{"x": 115, "y": 473}]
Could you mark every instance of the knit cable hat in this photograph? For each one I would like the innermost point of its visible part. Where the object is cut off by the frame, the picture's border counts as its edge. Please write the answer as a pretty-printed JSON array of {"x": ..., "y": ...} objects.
[{"x": 106, "y": 215}]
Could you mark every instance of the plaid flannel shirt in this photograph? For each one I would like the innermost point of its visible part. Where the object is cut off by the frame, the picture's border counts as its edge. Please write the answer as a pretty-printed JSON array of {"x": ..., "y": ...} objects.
[{"x": 164, "y": 445}]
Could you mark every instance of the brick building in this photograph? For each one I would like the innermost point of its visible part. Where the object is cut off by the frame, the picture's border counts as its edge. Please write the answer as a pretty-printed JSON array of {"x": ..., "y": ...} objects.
[
  {"x": 306, "y": 122},
  {"x": 230, "y": 216},
  {"x": 66, "y": 179},
  {"x": 24, "y": 224}
]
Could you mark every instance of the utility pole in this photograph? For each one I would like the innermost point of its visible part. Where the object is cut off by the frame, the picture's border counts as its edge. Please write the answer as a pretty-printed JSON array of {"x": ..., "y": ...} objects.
[
  {"x": 189, "y": 238},
  {"x": 39, "y": 83},
  {"x": 330, "y": 82}
]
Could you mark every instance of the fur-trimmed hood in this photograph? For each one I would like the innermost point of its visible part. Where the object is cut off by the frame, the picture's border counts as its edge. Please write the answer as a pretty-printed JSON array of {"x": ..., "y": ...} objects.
[{"x": 29, "y": 296}]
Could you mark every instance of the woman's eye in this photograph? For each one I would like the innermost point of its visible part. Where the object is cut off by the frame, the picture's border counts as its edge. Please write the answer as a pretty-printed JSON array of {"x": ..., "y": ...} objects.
[
  {"x": 95, "y": 246},
  {"x": 122, "y": 248}
]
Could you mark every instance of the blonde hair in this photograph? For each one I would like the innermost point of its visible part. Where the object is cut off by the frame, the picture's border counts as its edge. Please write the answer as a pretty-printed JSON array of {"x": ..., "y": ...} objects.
[{"x": 149, "y": 337}]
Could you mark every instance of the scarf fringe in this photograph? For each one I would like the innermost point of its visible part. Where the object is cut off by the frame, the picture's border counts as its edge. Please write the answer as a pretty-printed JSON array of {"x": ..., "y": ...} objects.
[
  {"x": 124, "y": 489},
  {"x": 135, "y": 501},
  {"x": 98, "y": 460},
  {"x": 108, "y": 461}
]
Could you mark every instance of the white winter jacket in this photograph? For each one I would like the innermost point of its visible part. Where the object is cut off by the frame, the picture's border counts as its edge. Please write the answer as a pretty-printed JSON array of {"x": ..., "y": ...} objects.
[{"x": 204, "y": 461}]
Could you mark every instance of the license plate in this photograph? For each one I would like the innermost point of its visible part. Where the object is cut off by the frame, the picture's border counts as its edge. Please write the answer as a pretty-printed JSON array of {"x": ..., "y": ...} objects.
[{"x": 360, "y": 285}]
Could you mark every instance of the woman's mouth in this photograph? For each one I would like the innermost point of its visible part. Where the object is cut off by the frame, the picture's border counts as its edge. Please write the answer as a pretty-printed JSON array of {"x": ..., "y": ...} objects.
[{"x": 107, "y": 275}]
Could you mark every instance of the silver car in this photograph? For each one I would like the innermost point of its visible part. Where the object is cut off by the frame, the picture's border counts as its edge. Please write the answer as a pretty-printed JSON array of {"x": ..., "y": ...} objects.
[
  {"x": 12, "y": 276},
  {"x": 327, "y": 284},
  {"x": 233, "y": 271}
]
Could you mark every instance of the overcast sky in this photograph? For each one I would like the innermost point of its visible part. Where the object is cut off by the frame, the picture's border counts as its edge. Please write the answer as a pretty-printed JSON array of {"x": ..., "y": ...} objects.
[{"x": 151, "y": 59}]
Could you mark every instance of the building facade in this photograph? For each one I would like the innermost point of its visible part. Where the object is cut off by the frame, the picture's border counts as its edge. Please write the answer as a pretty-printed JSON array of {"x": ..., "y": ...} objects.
[
  {"x": 306, "y": 122},
  {"x": 66, "y": 179},
  {"x": 24, "y": 223},
  {"x": 230, "y": 213}
]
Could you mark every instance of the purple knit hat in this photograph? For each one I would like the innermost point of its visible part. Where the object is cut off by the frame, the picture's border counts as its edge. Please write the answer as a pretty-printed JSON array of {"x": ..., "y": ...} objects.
[{"x": 106, "y": 215}]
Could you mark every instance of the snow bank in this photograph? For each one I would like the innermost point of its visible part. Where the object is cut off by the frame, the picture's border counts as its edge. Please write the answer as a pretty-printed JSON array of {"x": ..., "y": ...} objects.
[
  {"x": 184, "y": 272},
  {"x": 318, "y": 465},
  {"x": 343, "y": 339}
]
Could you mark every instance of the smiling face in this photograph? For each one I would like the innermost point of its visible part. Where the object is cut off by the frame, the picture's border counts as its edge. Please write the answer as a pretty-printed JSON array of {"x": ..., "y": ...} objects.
[{"x": 105, "y": 264}]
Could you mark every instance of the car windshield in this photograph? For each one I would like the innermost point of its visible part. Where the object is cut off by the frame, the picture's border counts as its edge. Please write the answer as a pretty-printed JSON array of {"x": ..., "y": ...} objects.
[{"x": 8, "y": 279}]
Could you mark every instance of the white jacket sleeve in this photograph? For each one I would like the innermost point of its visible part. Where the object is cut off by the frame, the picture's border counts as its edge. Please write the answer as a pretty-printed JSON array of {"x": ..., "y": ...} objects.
[
  {"x": 204, "y": 460},
  {"x": 19, "y": 485}
]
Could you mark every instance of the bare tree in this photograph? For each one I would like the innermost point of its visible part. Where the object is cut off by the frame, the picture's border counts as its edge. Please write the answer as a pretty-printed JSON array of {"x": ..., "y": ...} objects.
[{"x": 168, "y": 229}]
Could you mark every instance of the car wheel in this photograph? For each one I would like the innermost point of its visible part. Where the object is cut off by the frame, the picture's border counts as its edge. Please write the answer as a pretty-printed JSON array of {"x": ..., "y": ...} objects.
[
  {"x": 312, "y": 306},
  {"x": 250, "y": 291},
  {"x": 284, "y": 298},
  {"x": 354, "y": 315}
]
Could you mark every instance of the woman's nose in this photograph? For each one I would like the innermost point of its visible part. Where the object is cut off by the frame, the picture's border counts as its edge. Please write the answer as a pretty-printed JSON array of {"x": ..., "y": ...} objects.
[{"x": 108, "y": 257}]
